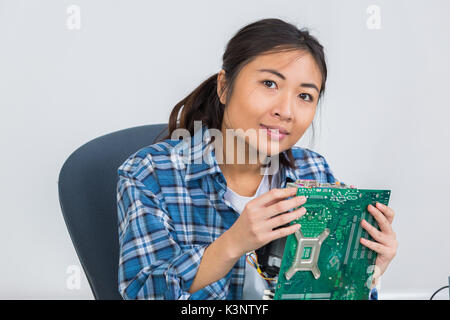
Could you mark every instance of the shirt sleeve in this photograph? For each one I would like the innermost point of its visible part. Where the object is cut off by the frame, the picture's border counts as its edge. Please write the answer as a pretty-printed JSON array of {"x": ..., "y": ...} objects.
[
  {"x": 327, "y": 172},
  {"x": 151, "y": 263},
  {"x": 375, "y": 292}
]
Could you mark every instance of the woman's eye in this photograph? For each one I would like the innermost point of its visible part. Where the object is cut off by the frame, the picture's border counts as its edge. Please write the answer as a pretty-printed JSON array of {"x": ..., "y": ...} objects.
[
  {"x": 306, "y": 96},
  {"x": 268, "y": 81}
]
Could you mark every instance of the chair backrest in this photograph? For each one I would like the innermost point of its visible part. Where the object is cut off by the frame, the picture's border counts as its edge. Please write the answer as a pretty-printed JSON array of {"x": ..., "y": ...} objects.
[{"x": 87, "y": 195}]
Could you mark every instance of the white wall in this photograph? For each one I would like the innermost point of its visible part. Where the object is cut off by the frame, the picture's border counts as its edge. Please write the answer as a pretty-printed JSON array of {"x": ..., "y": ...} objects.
[{"x": 383, "y": 121}]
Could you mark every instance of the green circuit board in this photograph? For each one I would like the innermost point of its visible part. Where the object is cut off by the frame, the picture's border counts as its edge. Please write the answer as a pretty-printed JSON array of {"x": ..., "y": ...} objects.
[{"x": 324, "y": 259}]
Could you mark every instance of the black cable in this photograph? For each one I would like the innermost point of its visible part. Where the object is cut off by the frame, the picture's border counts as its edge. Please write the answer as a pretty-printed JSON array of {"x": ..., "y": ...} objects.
[{"x": 437, "y": 292}]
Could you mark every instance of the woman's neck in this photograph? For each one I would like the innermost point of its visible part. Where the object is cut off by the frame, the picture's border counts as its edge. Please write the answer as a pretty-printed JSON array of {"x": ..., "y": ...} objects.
[{"x": 243, "y": 177}]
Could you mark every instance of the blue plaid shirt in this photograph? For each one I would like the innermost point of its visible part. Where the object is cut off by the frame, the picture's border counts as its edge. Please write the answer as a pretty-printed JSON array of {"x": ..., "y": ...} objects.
[{"x": 170, "y": 209}]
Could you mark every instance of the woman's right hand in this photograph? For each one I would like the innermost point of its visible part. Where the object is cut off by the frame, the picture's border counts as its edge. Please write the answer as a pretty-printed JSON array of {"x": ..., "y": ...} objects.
[{"x": 255, "y": 226}]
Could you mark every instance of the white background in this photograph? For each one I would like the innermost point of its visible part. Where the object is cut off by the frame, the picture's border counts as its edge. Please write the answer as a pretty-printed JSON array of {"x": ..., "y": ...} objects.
[{"x": 383, "y": 122}]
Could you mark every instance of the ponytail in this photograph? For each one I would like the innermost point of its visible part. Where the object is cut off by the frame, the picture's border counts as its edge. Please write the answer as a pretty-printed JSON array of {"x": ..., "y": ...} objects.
[{"x": 202, "y": 104}]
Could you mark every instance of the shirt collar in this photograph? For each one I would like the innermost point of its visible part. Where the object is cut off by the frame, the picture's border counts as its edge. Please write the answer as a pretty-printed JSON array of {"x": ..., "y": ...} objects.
[
  {"x": 201, "y": 158},
  {"x": 288, "y": 174}
]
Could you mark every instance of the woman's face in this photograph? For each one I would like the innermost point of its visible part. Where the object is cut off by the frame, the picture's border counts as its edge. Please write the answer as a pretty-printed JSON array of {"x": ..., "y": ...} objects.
[{"x": 274, "y": 91}]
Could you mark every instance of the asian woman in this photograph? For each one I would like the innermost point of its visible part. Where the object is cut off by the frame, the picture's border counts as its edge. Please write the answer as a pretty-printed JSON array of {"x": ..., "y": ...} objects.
[{"x": 192, "y": 211}]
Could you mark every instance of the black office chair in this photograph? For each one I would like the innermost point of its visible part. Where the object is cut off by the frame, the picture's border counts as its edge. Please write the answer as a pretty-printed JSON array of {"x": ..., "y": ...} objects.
[{"x": 87, "y": 195}]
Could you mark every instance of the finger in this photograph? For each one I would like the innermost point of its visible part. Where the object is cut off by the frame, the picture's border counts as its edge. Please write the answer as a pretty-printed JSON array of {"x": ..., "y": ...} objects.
[
  {"x": 382, "y": 221},
  {"x": 283, "y": 232},
  {"x": 275, "y": 200},
  {"x": 284, "y": 218},
  {"x": 375, "y": 276},
  {"x": 388, "y": 212},
  {"x": 375, "y": 246},
  {"x": 273, "y": 195},
  {"x": 283, "y": 206},
  {"x": 374, "y": 232}
]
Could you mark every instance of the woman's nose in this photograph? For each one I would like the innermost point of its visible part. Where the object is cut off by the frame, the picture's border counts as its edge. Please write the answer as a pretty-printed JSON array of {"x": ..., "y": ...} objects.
[{"x": 283, "y": 110}]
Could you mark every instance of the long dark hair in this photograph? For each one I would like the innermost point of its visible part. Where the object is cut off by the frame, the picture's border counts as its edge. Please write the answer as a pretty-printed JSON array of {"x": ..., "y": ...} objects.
[{"x": 260, "y": 37}]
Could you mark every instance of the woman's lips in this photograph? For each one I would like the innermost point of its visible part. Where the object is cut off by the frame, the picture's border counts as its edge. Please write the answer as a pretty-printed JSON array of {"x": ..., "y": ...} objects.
[{"x": 275, "y": 133}]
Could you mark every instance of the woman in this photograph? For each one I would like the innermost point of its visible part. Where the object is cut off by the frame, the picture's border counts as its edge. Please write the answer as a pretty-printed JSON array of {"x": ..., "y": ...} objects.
[{"x": 190, "y": 210}]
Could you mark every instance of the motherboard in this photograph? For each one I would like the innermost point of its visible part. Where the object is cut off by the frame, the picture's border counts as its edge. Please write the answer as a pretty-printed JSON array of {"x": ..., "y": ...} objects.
[{"x": 324, "y": 259}]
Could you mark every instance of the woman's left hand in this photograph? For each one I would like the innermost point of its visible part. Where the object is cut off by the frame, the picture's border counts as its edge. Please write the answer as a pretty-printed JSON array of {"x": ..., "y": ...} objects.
[{"x": 385, "y": 244}]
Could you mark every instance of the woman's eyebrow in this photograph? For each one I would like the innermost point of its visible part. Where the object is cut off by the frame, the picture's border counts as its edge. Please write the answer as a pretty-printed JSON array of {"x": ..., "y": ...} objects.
[{"x": 306, "y": 85}]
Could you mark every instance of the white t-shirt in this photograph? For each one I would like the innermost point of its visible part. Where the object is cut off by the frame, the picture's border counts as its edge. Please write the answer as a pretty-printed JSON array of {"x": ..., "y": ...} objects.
[{"x": 254, "y": 284}]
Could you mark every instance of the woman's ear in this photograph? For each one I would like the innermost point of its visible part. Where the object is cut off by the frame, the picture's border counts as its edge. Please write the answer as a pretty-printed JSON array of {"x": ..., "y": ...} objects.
[{"x": 221, "y": 84}]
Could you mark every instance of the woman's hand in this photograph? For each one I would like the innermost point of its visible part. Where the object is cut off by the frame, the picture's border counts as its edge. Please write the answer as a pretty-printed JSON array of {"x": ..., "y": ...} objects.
[
  {"x": 385, "y": 244},
  {"x": 254, "y": 227}
]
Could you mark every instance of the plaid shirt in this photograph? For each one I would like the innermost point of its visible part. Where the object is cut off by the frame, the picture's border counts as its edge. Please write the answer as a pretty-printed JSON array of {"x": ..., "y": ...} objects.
[{"x": 170, "y": 210}]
